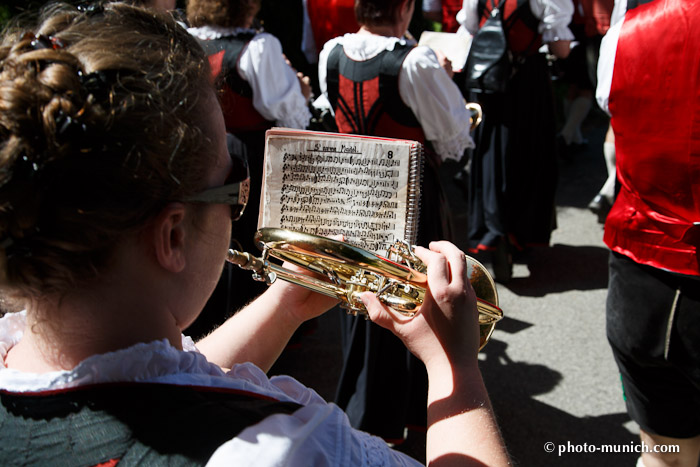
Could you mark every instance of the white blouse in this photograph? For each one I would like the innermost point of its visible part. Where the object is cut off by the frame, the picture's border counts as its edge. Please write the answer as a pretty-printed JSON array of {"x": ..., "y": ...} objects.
[
  {"x": 606, "y": 63},
  {"x": 276, "y": 89},
  {"x": 424, "y": 87},
  {"x": 319, "y": 431},
  {"x": 554, "y": 16}
]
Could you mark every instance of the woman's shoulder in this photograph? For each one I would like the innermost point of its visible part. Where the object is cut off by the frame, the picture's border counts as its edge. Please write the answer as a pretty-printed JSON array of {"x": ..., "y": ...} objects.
[
  {"x": 320, "y": 432},
  {"x": 421, "y": 58}
]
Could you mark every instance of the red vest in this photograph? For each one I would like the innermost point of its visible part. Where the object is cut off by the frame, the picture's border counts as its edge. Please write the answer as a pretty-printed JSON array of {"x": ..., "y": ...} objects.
[
  {"x": 365, "y": 95},
  {"x": 450, "y": 8},
  {"x": 235, "y": 94},
  {"x": 331, "y": 18},
  {"x": 655, "y": 108}
]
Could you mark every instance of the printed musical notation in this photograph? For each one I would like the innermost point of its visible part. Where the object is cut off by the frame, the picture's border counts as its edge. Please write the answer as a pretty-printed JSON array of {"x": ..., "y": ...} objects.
[{"x": 366, "y": 189}]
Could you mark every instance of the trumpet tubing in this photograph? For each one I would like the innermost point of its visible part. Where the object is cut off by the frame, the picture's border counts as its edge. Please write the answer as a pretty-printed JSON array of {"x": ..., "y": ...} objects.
[
  {"x": 475, "y": 114},
  {"x": 344, "y": 272}
]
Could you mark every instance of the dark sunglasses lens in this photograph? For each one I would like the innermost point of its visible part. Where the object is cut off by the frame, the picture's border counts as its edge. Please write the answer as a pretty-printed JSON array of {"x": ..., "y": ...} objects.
[{"x": 239, "y": 158}]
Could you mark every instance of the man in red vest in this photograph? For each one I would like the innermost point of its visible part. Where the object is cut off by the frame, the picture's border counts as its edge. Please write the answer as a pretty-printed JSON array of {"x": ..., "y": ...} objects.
[{"x": 648, "y": 80}]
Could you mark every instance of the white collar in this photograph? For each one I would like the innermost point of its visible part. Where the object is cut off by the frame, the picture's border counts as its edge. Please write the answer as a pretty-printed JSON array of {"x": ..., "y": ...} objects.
[
  {"x": 208, "y": 33},
  {"x": 365, "y": 46},
  {"x": 145, "y": 361}
]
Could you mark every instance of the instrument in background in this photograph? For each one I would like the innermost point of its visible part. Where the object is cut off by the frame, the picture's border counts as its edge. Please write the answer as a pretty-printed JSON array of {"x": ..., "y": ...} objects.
[
  {"x": 399, "y": 281},
  {"x": 475, "y": 113}
]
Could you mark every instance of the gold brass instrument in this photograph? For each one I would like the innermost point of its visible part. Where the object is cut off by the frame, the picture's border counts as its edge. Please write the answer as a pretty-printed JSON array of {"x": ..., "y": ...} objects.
[
  {"x": 475, "y": 114},
  {"x": 399, "y": 280}
]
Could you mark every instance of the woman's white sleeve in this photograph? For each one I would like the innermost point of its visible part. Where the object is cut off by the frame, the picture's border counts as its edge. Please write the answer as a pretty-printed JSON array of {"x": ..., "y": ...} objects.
[
  {"x": 468, "y": 16},
  {"x": 606, "y": 63},
  {"x": 317, "y": 434},
  {"x": 437, "y": 102},
  {"x": 555, "y": 16},
  {"x": 276, "y": 89}
]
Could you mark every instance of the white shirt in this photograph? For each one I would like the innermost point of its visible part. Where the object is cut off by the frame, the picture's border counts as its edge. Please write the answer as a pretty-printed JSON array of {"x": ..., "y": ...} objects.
[
  {"x": 606, "y": 63},
  {"x": 424, "y": 87},
  {"x": 276, "y": 89},
  {"x": 554, "y": 16},
  {"x": 618, "y": 12},
  {"x": 317, "y": 433}
]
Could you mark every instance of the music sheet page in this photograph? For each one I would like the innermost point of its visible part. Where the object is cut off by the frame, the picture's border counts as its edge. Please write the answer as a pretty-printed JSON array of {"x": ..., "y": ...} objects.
[{"x": 329, "y": 184}]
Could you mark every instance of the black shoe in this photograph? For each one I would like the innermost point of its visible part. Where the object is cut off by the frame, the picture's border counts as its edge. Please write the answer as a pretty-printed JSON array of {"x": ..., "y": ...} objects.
[
  {"x": 502, "y": 262},
  {"x": 600, "y": 206}
]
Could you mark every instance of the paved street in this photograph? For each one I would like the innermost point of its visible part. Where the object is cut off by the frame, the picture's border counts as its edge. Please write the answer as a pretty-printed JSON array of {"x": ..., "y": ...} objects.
[{"x": 548, "y": 368}]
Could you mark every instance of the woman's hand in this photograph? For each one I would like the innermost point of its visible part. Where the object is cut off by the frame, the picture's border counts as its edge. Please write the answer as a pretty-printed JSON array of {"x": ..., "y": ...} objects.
[
  {"x": 301, "y": 303},
  {"x": 305, "y": 83},
  {"x": 445, "y": 336},
  {"x": 445, "y": 63},
  {"x": 446, "y": 328}
]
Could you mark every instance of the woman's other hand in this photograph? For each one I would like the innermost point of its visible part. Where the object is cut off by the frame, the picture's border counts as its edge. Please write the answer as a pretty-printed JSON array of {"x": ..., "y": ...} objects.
[{"x": 446, "y": 328}]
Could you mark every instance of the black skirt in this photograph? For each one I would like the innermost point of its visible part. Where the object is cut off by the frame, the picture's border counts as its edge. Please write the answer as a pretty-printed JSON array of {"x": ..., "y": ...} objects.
[
  {"x": 513, "y": 177},
  {"x": 382, "y": 387}
]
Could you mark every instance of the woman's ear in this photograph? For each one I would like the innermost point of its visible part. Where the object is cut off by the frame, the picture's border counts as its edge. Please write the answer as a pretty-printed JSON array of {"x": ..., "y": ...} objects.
[{"x": 168, "y": 237}]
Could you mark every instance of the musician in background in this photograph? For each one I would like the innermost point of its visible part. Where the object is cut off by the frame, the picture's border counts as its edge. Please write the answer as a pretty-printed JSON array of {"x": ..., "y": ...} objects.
[
  {"x": 514, "y": 176},
  {"x": 258, "y": 89},
  {"x": 379, "y": 83},
  {"x": 648, "y": 82},
  {"x": 113, "y": 234}
]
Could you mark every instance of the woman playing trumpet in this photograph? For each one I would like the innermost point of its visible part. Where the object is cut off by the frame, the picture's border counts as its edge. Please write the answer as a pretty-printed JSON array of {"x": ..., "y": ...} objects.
[{"x": 112, "y": 242}]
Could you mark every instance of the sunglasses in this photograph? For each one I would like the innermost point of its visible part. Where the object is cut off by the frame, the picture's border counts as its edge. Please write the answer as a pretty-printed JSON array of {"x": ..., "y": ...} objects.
[{"x": 236, "y": 188}]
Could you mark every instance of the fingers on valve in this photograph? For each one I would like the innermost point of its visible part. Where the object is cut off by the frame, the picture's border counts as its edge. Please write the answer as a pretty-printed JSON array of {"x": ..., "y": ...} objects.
[{"x": 381, "y": 314}]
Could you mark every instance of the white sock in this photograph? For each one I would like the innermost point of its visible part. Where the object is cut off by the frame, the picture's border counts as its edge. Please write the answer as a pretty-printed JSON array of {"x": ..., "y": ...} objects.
[
  {"x": 577, "y": 113},
  {"x": 608, "y": 189}
]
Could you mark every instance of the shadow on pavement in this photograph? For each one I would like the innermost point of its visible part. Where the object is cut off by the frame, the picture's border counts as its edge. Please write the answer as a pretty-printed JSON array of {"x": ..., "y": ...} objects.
[
  {"x": 528, "y": 424},
  {"x": 561, "y": 268}
]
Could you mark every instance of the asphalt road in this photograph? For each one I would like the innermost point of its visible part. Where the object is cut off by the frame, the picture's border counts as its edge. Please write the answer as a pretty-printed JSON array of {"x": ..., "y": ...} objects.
[{"x": 548, "y": 367}]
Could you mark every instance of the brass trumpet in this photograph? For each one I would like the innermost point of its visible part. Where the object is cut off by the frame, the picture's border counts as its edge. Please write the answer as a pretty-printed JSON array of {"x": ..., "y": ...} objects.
[
  {"x": 399, "y": 280},
  {"x": 475, "y": 114}
]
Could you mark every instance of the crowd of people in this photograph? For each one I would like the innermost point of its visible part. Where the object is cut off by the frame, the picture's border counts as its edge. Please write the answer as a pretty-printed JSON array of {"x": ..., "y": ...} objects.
[{"x": 122, "y": 124}]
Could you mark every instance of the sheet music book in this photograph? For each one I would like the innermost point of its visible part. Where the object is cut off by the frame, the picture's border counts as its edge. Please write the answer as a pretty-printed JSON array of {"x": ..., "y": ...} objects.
[
  {"x": 363, "y": 187},
  {"x": 454, "y": 46}
]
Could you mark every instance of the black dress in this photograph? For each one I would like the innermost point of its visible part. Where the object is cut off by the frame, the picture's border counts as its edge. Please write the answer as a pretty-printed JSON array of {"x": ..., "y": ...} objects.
[
  {"x": 514, "y": 167},
  {"x": 382, "y": 386}
]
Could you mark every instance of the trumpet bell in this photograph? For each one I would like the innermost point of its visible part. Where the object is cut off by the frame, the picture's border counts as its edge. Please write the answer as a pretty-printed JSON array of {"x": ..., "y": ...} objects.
[
  {"x": 345, "y": 271},
  {"x": 475, "y": 114}
]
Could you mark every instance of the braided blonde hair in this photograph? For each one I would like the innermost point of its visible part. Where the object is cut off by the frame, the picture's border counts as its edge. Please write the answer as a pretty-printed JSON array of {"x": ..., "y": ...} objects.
[{"x": 100, "y": 127}]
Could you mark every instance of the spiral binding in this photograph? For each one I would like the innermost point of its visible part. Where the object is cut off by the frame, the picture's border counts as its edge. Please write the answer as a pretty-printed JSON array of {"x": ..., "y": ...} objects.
[{"x": 415, "y": 181}]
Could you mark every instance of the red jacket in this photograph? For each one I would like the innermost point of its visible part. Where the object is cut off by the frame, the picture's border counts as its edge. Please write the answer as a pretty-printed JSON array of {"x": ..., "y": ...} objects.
[
  {"x": 655, "y": 108},
  {"x": 331, "y": 18}
]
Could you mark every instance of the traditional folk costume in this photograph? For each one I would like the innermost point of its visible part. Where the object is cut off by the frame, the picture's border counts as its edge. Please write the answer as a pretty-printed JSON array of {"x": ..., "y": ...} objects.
[
  {"x": 648, "y": 81},
  {"x": 386, "y": 86},
  {"x": 257, "y": 90},
  {"x": 155, "y": 405},
  {"x": 514, "y": 168}
]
